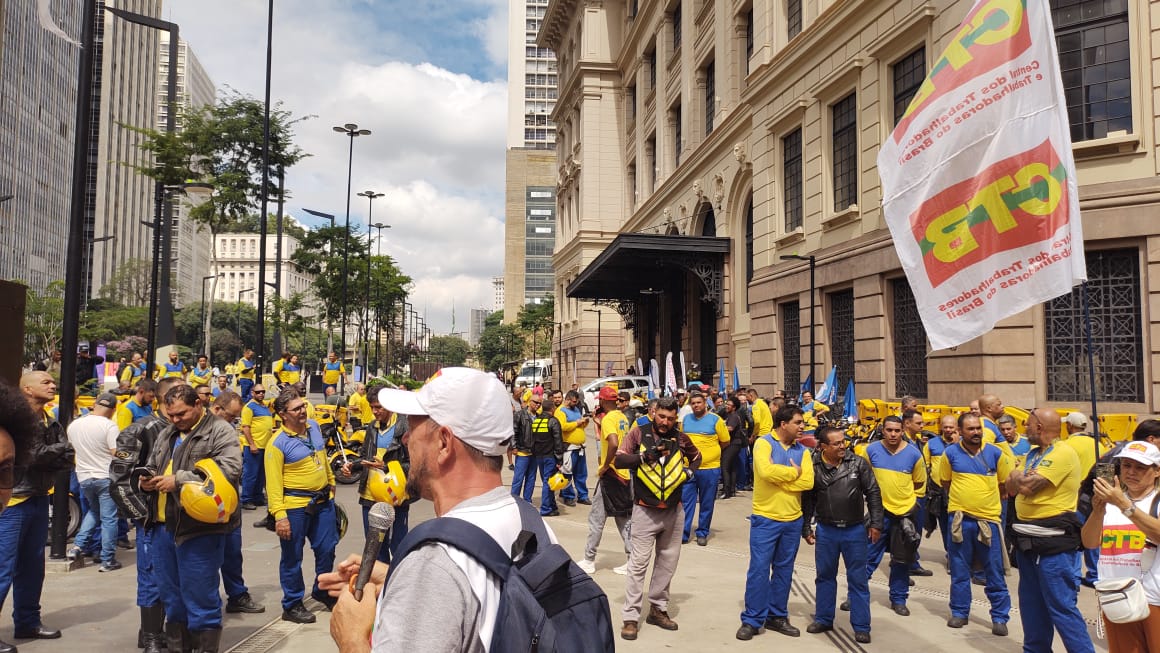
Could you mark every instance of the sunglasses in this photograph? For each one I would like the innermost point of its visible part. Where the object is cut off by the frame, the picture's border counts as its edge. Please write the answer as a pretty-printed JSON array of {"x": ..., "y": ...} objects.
[
  {"x": 10, "y": 475},
  {"x": 259, "y": 392}
]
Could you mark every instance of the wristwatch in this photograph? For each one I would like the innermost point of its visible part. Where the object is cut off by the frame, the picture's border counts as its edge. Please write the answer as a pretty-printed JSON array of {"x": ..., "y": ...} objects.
[{"x": 1129, "y": 510}]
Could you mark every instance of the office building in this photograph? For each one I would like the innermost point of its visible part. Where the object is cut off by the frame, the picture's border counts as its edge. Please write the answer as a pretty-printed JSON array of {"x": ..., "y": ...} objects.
[
  {"x": 700, "y": 141},
  {"x": 478, "y": 323},
  {"x": 237, "y": 263},
  {"x": 38, "y": 89},
  {"x": 497, "y": 287}
]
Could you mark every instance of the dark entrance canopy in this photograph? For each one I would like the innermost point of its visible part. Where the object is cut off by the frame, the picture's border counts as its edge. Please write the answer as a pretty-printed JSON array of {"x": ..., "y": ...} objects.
[{"x": 636, "y": 264}]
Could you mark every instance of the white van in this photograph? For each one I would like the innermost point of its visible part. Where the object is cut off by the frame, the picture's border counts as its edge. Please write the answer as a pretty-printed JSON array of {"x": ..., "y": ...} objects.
[{"x": 633, "y": 384}]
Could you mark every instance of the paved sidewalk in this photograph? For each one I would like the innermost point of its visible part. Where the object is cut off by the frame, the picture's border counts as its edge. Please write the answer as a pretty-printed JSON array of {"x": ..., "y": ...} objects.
[{"x": 97, "y": 611}]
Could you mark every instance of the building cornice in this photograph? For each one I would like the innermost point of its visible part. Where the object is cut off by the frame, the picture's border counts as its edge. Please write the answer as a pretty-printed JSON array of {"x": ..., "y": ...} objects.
[{"x": 555, "y": 23}]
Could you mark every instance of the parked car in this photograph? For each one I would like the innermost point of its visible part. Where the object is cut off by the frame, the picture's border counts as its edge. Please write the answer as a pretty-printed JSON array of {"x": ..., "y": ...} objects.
[{"x": 634, "y": 384}]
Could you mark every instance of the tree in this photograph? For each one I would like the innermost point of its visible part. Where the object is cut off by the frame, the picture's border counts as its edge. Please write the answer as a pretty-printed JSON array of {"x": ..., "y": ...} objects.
[
  {"x": 500, "y": 344},
  {"x": 536, "y": 322},
  {"x": 495, "y": 319},
  {"x": 114, "y": 322},
  {"x": 249, "y": 224},
  {"x": 131, "y": 284},
  {"x": 448, "y": 351},
  {"x": 42, "y": 323}
]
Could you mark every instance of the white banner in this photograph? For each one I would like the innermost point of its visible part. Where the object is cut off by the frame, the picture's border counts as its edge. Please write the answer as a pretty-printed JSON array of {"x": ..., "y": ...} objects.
[
  {"x": 978, "y": 178},
  {"x": 670, "y": 376}
]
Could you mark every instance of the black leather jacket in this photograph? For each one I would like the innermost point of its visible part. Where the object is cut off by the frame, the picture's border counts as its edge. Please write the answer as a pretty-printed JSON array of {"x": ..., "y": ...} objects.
[
  {"x": 50, "y": 453},
  {"x": 841, "y": 494},
  {"x": 522, "y": 430}
]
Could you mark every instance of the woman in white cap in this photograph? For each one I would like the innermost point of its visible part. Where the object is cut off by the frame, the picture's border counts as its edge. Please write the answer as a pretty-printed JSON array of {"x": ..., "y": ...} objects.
[{"x": 1124, "y": 526}]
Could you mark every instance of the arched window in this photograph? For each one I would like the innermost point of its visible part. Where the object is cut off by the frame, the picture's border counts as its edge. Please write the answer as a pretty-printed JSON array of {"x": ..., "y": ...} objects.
[
  {"x": 748, "y": 248},
  {"x": 708, "y": 220}
]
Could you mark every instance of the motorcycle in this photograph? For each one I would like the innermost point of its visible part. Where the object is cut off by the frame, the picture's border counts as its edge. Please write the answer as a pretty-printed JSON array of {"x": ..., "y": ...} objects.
[{"x": 339, "y": 450}]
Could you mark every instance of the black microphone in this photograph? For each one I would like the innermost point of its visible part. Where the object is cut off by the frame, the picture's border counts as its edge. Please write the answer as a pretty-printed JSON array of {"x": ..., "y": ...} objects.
[{"x": 379, "y": 521}]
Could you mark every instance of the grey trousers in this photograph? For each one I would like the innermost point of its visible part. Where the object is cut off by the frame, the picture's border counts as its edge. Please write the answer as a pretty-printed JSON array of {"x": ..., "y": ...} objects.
[
  {"x": 650, "y": 527},
  {"x": 596, "y": 519}
]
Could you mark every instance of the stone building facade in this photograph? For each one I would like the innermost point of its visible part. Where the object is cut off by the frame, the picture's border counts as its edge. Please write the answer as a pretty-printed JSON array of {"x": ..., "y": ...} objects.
[{"x": 701, "y": 141}]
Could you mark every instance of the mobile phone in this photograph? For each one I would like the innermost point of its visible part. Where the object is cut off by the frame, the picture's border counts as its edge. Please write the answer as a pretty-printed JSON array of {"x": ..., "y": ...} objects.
[{"x": 1106, "y": 471}]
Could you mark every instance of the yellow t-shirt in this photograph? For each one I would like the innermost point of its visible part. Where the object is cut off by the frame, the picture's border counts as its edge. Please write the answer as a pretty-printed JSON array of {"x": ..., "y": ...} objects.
[
  {"x": 1085, "y": 447},
  {"x": 708, "y": 433},
  {"x": 1059, "y": 464},
  {"x": 762, "y": 417},
  {"x": 974, "y": 479},
  {"x": 260, "y": 419},
  {"x": 897, "y": 474},
  {"x": 245, "y": 368},
  {"x": 199, "y": 377},
  {"x": 570, "y": 430},
  {"x": 332, "y": 372},
  {"x": 361, "y": 408},
  {"x": 614, "y": 423},
  {"x": 777, "y": 487}
]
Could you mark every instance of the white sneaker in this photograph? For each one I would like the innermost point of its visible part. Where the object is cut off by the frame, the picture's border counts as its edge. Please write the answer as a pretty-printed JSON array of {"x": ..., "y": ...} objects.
[
  {"x": 621, "y": 570},
  {"x": 588, "y": 566}
]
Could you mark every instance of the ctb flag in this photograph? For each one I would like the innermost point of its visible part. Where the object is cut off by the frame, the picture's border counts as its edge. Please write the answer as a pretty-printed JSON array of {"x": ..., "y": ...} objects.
[{"x": 978, "y": 179}]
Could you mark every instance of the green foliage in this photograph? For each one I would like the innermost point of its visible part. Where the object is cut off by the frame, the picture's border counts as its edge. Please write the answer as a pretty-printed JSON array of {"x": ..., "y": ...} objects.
[
  {"x": 448, "y": 351},
  {"x": 114, "y": 322},
  {"x": 130, "y": 285},
  {"x": 495, "y": 319},
  {"x": 536, "y": 316},
  {"x": 500, "y": 344},
  {"x": 42, "y": 320},
  {"x": 249, "y": 224}
]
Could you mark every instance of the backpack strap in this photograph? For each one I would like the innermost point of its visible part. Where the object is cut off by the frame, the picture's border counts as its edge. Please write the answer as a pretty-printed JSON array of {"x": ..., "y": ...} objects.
[{"x": 461, "y": 534}]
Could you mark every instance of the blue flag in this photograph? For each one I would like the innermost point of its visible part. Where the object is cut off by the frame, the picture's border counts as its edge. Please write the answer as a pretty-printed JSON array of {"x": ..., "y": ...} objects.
[
  {"x": 807, "y": 385},
  {"x": 851, "y": 401},
  {"x": 828, "y": 393},
  {"x": 721, "y": 375},
  {"x": 736, "y": 379}
]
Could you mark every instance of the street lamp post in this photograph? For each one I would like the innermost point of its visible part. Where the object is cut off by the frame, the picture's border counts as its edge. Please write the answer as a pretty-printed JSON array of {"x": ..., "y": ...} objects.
[
  {"x": 813, "y": 265},
  {"x": 351, "y": 130},
  {"x": 329, "y": 330},
  {"x": 599, "y": 335},
  {"x": 371, "y": 197},
  {"x": 204, "y": 321},
  {"x": 379, "y": 253},
  {"x": 240, "y": 292},
  {"x": 260, "y": 345}
]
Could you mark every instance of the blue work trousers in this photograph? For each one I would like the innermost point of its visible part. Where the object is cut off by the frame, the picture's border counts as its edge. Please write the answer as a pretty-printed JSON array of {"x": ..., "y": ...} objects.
[
  {"x": 254, "y": 477},
  {"x": 101, "y": 517},
  {"x": 744, "y": 468},
  {"x": 322, "y": 530},
  {"x": 577, "y": 487},
  {"x": 547, "y": 465},
  {"x": 700, "y": 491},
  {"x": 188, "y": 578},
  {"x": 147, "y": 592},
  {"x": 773, "y": 545},
  {"x": 899, "y": 574},
  {"x": 963, "y": 555},
  {"x": 524, "y": 480},
  {"x": 245, "y": 386},
  {"x": 23, "y": 535},
  {"x": 232, "y": 580},
  {"x": 851, "y": 543},
  {"x": 399, "y": 530},
  {"x": 1048, "y": 589}
]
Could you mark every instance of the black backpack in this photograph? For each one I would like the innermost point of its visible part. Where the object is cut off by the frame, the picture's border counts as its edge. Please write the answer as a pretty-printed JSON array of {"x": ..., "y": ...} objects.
[{"x": 547, "y": 603}]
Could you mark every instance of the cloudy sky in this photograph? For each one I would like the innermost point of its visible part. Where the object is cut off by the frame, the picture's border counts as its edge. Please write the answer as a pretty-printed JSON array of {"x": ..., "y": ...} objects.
[{"x": 428, "y": 77}]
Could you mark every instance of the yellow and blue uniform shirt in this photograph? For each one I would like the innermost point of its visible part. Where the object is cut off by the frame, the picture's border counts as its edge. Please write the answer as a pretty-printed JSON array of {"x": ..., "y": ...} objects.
[
  {"x": 708, "y": 433},
  {"x": 570, "y": 431},
  {"x": 935, "y": 447},
  {"x": 975, "y": 479},
  {"x": 1060, "y": 465},
  {"x": 260, "y": 419},
  {"x": 245, "y": 369},
  {"x": 777, "y": 489},
  {"x": 290, "y": 373},
  {"x": 296, "y": 463},
  {"x": 385, "y": 438},
  {"x": 132, "y": 374},
  {"x": 333, "y": 372},
  {"x": 171, "y": 370},
  {"x": 199, "y": 377},
  {"x": 361, "y": 407},
  {"x": 762, "y": 417},
  {"x": 897, "y": 475},
  {"x": 1017, "y": 451},
  {"x": 991, "y": 433},
  {"x": 131, "y": 411}
]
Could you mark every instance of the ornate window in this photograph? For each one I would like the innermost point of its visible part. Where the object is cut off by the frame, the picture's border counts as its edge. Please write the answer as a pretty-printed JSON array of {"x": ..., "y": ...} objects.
[
  {"x": 1094, "y": 62},
  {"x": 677, "y": 27},
  {"x": 748, "y": 248},
  {"x": 710, "y": 95},
  {"x": 791, "y": 346},
  {"x": 909, "y": 73},
  {"x": 909, "y": 342},
  {"x": 1117, "y": 338},
  {"x": 791, "y": 170},
  {"x": 842, "y": 335},
  {"x": 844, "y": 124}
]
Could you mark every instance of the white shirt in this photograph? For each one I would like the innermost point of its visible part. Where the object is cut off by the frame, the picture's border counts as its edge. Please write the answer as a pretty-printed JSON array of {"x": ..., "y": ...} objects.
[
  {"x": 94, "y": 438},
  {"x": 1121, "y": 543}
]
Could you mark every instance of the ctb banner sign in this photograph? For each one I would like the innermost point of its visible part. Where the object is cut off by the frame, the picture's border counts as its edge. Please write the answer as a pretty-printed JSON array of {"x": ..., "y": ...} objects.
[{"x": 978, "y": 179}]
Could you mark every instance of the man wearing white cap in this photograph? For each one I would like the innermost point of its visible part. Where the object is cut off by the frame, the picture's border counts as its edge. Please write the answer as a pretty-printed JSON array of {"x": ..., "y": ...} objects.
[{"x": 439, "y": 598}]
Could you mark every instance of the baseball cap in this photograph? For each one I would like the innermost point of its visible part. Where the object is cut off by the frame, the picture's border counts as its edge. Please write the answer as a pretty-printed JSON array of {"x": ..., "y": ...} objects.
[
  {"x": 608, "y": 393},
  {"x": 1141, "y": 451},
  {"x": 107, "y": 399},
  {"x": 474, "y": 405},
  {"x": 1076, "y": 419}
]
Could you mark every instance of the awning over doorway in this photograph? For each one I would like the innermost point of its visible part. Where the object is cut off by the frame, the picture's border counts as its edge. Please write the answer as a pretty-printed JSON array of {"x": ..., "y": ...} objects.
[{"x": 636, "y": 264}]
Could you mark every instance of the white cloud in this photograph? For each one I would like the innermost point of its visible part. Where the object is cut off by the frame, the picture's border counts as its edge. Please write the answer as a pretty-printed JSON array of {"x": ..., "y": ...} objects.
[{"x": 437, "y": 150}]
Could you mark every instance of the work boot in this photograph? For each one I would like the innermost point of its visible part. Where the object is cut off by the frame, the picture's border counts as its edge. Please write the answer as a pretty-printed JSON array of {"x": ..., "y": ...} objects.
[
  {"x": 209, "y": 640},
  {"x": 783, "y": 626},
  {"x": 658, "y": 617},
  {"x": 176, "y": 636},
  {"x": 244, "y": 603},
  {"x": 152, "y": 637},
  {"x": 629, "y": 630}
]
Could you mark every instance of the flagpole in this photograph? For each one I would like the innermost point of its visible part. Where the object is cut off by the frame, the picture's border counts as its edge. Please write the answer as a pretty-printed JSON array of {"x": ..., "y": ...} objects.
[{"x": 1087, "y": 327}]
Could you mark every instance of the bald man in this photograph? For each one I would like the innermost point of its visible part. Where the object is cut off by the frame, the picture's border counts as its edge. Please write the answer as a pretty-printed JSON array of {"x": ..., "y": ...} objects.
[
  {"x": 1047, "y": 535},
  {"x": 990, "y": 410},
  {"x": 24, "y": 525}
]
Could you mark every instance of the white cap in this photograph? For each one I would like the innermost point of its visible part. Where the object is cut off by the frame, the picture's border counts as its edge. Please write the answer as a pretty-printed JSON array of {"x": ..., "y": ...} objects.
[
  {"x": 474, "y": 405},
  {"x": 1141, "y": 451},
  {"x": 1076, "y": 419}
]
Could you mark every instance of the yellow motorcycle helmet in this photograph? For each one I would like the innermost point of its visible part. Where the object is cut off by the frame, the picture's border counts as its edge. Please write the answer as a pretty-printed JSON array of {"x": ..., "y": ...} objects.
[
  {"x": 342, "y": 521},
  {"x": 213, "y": 500},
  {"x": 389, "y": 486},
  {"x": 557, "y": 482}
]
